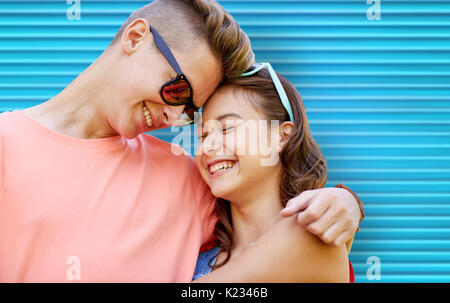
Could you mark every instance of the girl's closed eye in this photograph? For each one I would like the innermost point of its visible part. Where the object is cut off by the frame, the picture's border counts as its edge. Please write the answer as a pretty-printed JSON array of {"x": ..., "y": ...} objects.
[
  {"x": 227, "y": 129},
  {"x": 202, "y": 136}
]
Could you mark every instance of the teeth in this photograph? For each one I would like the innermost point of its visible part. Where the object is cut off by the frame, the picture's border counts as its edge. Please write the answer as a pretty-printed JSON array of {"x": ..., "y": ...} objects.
[
  {"x": 220, "y": 166},
  {"x": 148, "y": 118}
]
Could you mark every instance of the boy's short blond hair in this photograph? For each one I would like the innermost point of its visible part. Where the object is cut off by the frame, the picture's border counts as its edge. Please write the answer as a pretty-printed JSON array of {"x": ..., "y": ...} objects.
[{"x": 184, "y": 23}]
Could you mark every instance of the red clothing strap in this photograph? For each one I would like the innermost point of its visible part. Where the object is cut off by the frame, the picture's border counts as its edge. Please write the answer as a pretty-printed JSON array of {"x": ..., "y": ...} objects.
[{"x": 351, "y": 272}]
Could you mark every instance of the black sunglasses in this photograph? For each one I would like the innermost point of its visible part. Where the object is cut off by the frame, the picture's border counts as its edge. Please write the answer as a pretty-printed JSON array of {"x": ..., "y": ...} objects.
[{"x": 177, "y": 91}]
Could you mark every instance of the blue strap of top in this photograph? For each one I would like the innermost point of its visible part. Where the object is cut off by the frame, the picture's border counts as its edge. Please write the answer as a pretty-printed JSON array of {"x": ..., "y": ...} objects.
[{"x": 203, "y": 266}]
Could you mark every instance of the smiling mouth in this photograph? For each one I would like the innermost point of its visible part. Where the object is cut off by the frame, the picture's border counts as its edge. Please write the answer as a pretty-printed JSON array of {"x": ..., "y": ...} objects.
[
  {"x": 148, "y": 118},
  {"x": 221, "y": 167}
]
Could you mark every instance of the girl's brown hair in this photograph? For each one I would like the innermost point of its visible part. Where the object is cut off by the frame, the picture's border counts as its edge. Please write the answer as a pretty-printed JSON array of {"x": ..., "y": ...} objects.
[{"x": 303, "y": 164}]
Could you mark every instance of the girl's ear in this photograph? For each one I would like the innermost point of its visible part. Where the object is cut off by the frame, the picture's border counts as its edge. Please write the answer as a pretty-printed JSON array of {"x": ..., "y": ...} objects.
[{"x": 285, "y": 130}]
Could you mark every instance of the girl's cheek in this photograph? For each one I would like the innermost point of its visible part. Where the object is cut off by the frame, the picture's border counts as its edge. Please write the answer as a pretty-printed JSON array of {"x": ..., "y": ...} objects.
[{"x": 230, "y": 143}]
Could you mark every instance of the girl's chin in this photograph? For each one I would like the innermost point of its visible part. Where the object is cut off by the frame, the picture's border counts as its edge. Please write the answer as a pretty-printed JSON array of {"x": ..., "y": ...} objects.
[
  {"x": 225, "y": 185},
  {"x": 221, "y": 192}
]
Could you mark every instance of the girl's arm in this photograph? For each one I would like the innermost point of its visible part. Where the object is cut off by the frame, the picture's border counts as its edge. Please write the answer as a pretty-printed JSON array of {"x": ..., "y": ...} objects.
[{"x": 286, "y": 253}]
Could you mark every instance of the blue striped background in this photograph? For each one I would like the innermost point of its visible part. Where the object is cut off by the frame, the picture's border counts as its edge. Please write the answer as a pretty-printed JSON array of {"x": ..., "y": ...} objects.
[{"x": 377, "y": 95}]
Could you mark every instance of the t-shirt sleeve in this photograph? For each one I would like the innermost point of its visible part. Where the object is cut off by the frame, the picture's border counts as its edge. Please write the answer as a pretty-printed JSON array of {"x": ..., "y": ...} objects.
[{"x": 204, "y": 200}]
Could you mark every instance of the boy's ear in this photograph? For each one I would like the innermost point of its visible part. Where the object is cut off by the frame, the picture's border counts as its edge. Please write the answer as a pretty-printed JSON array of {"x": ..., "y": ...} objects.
[
  {"x": 134, "y": 34},
  {"x": 285, "y": 131}
]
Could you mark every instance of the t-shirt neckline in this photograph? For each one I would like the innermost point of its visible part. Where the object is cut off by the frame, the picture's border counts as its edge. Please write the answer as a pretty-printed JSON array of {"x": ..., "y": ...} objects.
[{"x": 100, "y": 143}]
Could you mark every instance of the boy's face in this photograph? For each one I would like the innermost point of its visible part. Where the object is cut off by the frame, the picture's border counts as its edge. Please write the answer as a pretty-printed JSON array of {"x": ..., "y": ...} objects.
[{"x": 142, "y": 71}]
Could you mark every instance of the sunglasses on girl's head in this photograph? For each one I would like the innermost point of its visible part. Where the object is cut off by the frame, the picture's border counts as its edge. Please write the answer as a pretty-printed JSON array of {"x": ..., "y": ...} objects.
[
  {"x": 177, "y": 91},
  {"x": 278, "y": 86}
]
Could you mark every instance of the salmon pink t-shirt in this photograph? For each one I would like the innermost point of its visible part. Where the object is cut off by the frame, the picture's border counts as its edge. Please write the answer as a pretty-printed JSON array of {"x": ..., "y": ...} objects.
[{"x": 97, "y": 210}]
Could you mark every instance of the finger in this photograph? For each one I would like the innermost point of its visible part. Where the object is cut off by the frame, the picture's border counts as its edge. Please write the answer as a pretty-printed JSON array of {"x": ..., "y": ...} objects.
[
  {"x": 301, "y": 198},
  {"x": 342, "y": 238},
  {"x": 333, "y": 232},
  {"x": 317, "y": 207},
  {"x": 321, "y": 225},
  {"x": 332, "y": 215},
  {"x": 298, "y": 203}
]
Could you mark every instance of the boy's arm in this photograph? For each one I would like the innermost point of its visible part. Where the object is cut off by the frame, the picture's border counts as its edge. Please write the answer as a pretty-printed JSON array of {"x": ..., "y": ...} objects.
[{"x": 332, "y": 214}]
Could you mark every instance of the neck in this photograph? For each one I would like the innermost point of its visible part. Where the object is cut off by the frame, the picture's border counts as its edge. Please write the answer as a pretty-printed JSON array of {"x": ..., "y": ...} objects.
[
  {"x": 255, "y": 213},
  {"x": 76, "y": 111}
]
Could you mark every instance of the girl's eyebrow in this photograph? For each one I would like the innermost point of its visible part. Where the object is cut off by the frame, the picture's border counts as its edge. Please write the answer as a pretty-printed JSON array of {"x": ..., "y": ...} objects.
[
  {"x": 221, "y": 117},
  {"x": 224, "y": 116}
]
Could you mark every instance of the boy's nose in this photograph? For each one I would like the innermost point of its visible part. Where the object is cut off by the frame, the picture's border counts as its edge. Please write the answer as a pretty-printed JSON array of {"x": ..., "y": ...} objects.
[{"x": 172, "y": 113}]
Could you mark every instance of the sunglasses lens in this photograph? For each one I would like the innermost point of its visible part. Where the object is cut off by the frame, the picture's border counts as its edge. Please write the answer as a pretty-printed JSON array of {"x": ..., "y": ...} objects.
[{"x": 177, "y": 91}]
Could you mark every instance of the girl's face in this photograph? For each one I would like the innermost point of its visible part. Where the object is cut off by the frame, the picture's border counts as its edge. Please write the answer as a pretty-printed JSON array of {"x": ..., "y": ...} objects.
[{"x": 239, "y": 148}]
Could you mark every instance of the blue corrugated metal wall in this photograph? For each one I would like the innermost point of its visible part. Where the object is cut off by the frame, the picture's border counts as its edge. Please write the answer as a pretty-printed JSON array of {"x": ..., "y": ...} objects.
[{"x": 377, "y": 95}]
